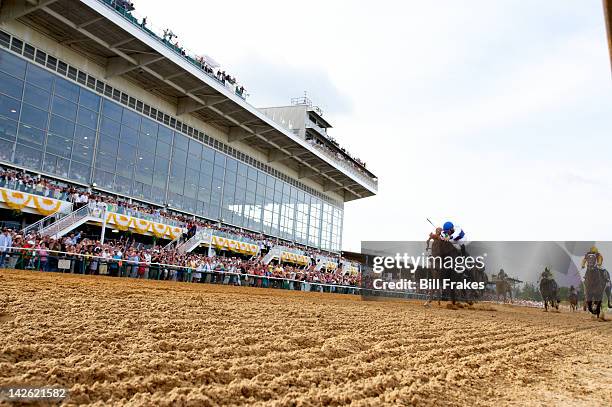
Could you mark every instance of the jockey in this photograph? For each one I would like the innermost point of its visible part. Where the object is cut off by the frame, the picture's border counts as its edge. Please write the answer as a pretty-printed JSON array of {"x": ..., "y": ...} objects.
[
  {"x": 455, "y": 235},
  {"x": 502, "y": 275},
  {"x": 592, "y": 259},
  {"x": 546, "y": 274}
]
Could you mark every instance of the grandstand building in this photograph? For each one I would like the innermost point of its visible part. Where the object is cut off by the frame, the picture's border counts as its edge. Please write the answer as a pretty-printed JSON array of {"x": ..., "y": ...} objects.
[{"x": 91, "y": 96}]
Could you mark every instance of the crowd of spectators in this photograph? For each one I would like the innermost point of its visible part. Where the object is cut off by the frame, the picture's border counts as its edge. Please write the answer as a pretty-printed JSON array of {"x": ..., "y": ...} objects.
[
  {"x": 80, "y": 196},
  {"x": 339, "y": 156},
  {"x": 125, "y": 8},
  {"x": 129, "y": 249},
  {"x": 125, "y": 257}
]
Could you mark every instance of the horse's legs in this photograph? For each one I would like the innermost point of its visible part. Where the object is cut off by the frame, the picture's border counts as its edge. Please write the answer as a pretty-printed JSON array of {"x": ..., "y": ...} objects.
[
  {"x": 597, "y": 309},
  {"x": 609, "y": 294},
  {"x": 589, "y": 305}
]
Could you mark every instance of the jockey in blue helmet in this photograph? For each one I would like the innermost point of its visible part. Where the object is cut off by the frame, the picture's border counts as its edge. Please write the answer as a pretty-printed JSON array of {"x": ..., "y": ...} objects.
[{"x": 455, "y": 235}]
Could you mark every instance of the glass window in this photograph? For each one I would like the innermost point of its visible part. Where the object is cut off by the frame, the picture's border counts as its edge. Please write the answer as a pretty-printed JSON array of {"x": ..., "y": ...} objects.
[
  {"x": 177, "y": 178},
  {"x": 206, "y": 167},
  {"x": 141, "y": 190},
  {"x": 9, "y": 107},
  {"x": 208, "y": 154},
  {"x": 8, "y": 129},
  {"x": 66, "y": 89},
  {"x": 64, "y": 108},
  {"x": 60, "y": 146},
  {"x": 36, "y": 96},
  {"x": 179, "y": 156},
  {"x": 219, "y": 159},
  {"x": 123, "y": 185},
  {"x": 56, "y": 165},
  {"x": 6, "y": 149},
  {"x": 39, "y": 77},
  {"x": 127, "y": 153},
  {"x": 111, "y": 110},
  {"x": 81, "y": 153},
  {"x": 30, "y": 136},
  {"x": 158, "y": 194},
  {"x": 242, "y": 170},
  {"x": 162, "y": 150},
  {"x": 146, "y": 143},
  {"x": 104, "y": 179},
  {"x": 181, "y": 141},
  {"x": 252, "y": 173},
  {"x": 195, "y": 149},
  {"x": 84, "y": 136},
  {"x": 27, "y": 157},
  {"x": 131, "y": 119},
  {"x": 89, "y": 100},
  {"x": 149, "y": 127},
  {"x": 124, "y": 169},
  {"x": 11, "y": 64},
  {"x": 11, "y": 86},
  {"x": 129, "y": 136},
  {"x": 80, "y": 172},
  {"x": 175, "y": 200},
  {"x": 107, "y": 154},
  {"x": 34, "y": 116},
  {"x": 165, "y": 134},
  {"x": 110, "y": 127},
  {"x": 144, "y": 170},
  {"x": 205, "y": 180},
  {"x": 88, "y": 118},
  {"x": 160, "y": 174},
  {"x": 61, "y": 126}
]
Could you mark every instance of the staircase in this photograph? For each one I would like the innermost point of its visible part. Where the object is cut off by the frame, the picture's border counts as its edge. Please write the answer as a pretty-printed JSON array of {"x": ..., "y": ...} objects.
[
  {"x": 174, "y": 243},
  {"x": 202, "y": 235},
  {"x": 42, "y": 223},
  {"x": 274, "y": 253},
  {"x": 58, "y": 227}
]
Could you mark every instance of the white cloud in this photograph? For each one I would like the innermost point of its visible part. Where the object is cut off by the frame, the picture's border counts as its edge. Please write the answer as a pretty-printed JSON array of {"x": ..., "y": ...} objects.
[{"x": 495, "y": 114}]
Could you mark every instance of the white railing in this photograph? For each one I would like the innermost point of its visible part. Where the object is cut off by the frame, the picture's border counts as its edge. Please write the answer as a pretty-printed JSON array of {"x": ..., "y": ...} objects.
[
  {"x": 42, "y": 223},
  {"x": 202, "y": 235},
  {"x": 348, "y": 166},
  {"x": 274, "y": 252},
  {"x": 71, "y": 219}
]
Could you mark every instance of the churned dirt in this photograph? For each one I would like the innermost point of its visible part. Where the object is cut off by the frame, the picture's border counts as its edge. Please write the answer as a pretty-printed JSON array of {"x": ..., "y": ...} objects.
[{"x": 121, "y": 341}]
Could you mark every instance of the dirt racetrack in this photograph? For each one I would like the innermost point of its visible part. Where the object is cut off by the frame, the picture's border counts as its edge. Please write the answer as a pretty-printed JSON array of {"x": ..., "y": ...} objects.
[{"x": 121, "y": 341}]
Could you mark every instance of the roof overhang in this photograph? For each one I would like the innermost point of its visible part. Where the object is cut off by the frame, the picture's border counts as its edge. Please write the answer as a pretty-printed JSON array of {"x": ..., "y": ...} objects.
[
  {"x": 104, "y": 36},
  {"x": 320, "y": 118}
]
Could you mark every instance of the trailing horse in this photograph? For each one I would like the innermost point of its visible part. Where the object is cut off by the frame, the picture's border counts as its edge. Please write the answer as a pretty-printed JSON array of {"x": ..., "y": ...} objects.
[
  {"x": 594, "y": 287},
  {"x": 503, "y": 288},
  {"x": 573, "y": 300},
  {"x": 550, "y": 293}
]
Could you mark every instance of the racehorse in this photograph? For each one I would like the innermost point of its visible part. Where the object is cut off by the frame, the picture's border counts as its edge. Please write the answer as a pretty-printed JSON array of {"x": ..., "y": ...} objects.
[
  {"x": 573, "y": 300},
  {"x": 594, "y": 287},
  {"x": 550, "y": 293},
  {"x": 503, "y": 288},
  {"x": 442, "y": 250}
]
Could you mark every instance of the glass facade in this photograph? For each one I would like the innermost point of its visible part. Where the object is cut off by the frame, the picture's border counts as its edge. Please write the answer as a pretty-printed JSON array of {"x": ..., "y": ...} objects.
[{"x": 50, "y": 124}]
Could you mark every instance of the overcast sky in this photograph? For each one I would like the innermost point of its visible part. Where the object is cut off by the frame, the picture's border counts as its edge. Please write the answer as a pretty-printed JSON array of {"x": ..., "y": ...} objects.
[{"x": 493, "y": 114}]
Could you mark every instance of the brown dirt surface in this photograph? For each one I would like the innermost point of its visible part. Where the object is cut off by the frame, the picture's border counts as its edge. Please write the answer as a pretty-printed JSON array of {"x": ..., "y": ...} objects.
[{"x": 122, "y": 341}]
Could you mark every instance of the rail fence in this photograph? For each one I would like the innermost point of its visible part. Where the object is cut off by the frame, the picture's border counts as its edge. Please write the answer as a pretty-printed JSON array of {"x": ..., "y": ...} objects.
[{"x": 64, "y": 262}]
